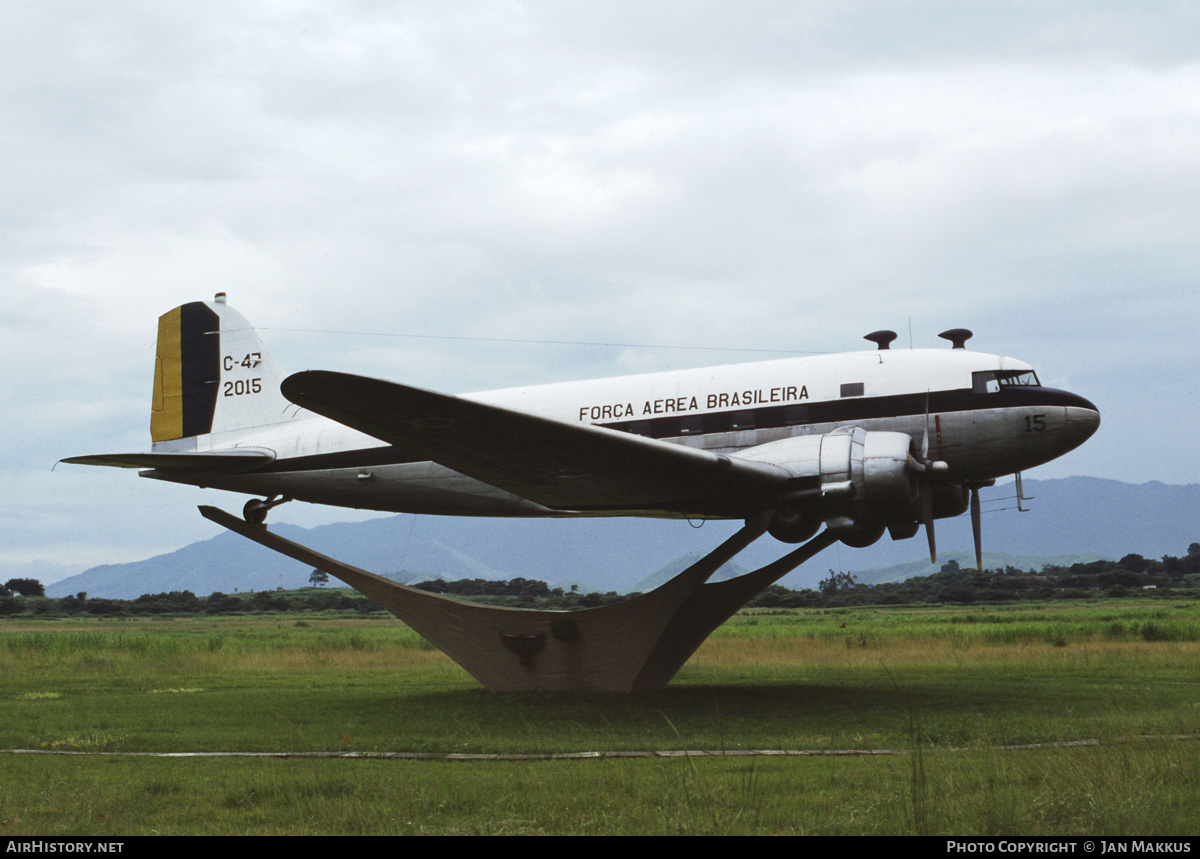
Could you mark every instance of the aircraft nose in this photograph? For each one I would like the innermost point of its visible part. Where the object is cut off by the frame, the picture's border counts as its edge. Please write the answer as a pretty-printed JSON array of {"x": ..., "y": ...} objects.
[{"x": 1083, "y": 419}]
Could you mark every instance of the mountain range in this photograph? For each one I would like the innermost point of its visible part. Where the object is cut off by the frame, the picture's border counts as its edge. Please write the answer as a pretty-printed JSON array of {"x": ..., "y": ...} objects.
[{"x": 1071, "y": 519}]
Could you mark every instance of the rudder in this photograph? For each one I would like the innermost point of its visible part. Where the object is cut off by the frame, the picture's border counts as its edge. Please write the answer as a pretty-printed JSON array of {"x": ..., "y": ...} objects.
[{"x": 212, "y": 373}]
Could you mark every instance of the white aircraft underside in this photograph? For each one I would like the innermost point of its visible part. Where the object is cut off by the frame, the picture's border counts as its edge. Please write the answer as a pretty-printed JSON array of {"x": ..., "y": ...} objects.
[{"x": 859, "y": 442}]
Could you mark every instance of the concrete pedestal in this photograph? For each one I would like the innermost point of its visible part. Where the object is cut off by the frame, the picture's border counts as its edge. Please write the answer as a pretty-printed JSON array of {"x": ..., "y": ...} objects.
[{"x": 632, "y": 646}]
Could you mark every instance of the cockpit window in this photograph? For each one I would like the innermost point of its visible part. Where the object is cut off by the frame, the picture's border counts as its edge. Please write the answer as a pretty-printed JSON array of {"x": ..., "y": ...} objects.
[
  {"x": 991, "y": 381},
  {"x": 1018, "y": 378}
]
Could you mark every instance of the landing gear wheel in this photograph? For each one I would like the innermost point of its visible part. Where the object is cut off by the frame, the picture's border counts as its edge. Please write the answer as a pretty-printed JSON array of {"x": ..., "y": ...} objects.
[
  {"x": 863, "y": 536},
  {"x": 255, "y": 511},
  {"x": 787, "y": 526}
]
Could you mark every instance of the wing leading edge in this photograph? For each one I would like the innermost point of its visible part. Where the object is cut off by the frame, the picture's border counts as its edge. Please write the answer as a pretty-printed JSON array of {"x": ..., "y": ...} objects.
[{"x": 563, "y": 466}]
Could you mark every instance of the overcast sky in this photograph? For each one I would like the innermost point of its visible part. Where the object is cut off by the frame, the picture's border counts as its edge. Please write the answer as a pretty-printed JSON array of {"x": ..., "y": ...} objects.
[{"x": 735, "y": 175}]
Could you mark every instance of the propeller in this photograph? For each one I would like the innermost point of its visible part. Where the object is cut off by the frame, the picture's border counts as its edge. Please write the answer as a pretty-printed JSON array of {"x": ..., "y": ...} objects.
[{"x": 925, "y": 467}]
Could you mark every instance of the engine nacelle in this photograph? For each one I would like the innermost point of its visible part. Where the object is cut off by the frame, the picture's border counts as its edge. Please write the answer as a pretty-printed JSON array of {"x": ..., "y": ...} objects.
[
  {"x": 950, "y": 499},
  {"x": 862, "y": 479}
]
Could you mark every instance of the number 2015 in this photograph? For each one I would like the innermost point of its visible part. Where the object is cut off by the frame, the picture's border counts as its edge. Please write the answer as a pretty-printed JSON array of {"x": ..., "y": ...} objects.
[{"x": 243, "y": 386}]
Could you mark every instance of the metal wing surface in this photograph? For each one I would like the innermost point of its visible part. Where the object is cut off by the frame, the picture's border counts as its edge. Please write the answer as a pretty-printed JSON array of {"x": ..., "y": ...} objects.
[{"x": 563, "y": 466}]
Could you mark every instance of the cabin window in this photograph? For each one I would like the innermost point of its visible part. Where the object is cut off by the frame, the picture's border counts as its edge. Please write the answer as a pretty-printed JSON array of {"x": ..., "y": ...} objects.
[
  {"x": 852, "y": 389},
  {"x": 639, "y": 427},
  {"x": 691, "y": 424},
  {"x": 743, "y": 420},
  {"x": 794, "y": 415}
]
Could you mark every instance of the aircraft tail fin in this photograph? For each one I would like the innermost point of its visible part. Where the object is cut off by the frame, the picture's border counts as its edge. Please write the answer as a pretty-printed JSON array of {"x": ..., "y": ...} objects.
[{"x": 213, "y": 374}]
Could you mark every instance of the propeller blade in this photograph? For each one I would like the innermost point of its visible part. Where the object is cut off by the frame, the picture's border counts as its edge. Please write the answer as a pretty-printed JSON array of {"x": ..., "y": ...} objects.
[
  {"x": 976, "y": 528},
  {"x": 927, "y": 520},
  {"x": 925, "y": 432},
  {"x": 925, "y": 490}
]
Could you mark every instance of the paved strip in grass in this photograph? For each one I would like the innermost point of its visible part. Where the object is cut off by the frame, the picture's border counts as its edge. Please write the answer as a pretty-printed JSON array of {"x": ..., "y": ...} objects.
[{"x": 579, "y": 756}]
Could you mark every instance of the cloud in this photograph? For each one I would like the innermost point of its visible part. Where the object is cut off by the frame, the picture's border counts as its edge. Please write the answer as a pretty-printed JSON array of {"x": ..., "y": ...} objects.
[{"x": 764, "y": 175}]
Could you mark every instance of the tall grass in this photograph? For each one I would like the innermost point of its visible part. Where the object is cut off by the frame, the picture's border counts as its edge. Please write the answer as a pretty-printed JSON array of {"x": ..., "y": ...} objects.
[{"x": 947, "y": 688}]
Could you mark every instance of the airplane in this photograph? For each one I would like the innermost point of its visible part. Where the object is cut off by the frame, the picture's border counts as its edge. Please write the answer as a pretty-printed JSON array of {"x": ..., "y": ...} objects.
[
  {"x": 859, "y": 443},
  {"x": 862, "y": 443}
]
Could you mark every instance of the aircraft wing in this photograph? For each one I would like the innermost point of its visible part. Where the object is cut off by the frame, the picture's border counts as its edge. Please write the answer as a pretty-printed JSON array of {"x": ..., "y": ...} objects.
[{"x": 564, "y": 466}]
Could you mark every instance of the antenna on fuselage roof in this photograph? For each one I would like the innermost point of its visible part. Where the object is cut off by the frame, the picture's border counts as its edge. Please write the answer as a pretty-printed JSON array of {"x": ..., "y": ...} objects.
[
  {"x": 882, "y": 339},
  {"x": 958, "y": 337},
  {"x": 910, "y": 333}
]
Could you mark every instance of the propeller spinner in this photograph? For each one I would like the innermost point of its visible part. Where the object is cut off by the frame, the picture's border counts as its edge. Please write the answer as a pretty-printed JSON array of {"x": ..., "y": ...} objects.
[{"x": 925, "y": 469}]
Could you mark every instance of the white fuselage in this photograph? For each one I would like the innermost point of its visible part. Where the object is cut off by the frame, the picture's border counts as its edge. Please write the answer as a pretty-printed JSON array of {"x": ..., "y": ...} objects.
[{"x": 981, "y": 428}]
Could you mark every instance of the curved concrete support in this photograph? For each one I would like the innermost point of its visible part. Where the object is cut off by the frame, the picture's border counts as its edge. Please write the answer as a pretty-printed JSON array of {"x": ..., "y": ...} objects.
[
  {"x": 632, "y": 646},
  {"x": 709, "y": 606}
]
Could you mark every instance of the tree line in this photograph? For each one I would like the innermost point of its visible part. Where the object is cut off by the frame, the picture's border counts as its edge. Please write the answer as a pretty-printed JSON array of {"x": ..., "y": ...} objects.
[
  {"x": 1133, "y": 576},
  {"x": 518, "y": 592}
]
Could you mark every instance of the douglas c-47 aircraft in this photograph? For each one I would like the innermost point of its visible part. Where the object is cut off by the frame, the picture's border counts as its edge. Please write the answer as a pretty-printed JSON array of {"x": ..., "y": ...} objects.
[{"x": 860, "y": 443}]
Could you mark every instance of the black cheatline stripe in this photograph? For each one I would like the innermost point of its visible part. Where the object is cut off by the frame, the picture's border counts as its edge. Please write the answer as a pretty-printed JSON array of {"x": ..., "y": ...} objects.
[
  {"x": 766, "y": 417},
  {"x": 200, "y": 356},
  {"x": 845, "y": 410}
]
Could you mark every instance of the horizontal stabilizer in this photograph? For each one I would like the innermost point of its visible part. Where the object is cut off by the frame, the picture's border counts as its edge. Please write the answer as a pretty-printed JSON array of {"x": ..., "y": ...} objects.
[
  {"x": 564, "y": 466},
  {"x": 224, "y": 462}
]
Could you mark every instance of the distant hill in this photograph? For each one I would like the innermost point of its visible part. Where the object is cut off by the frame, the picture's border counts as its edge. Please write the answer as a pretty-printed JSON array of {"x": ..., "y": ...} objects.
[
  {"x": 663, "y": 575},
  {"x": 604, "y": 554},
  {"x": 1077, "y": 516}
]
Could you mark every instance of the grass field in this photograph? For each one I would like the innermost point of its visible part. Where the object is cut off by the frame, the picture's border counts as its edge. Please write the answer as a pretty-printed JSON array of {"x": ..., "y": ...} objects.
[{"x": 952, "y": 686}]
